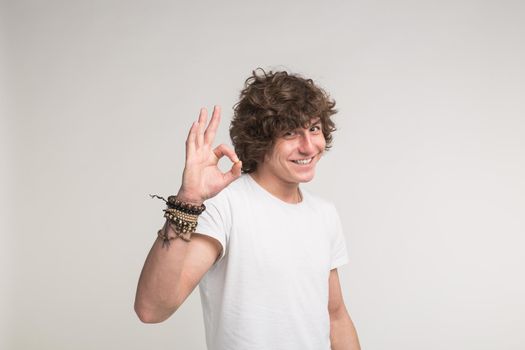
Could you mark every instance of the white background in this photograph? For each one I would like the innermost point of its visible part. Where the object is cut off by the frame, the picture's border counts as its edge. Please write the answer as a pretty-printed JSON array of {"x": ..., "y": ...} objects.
[{"x": 427, "y": 170}]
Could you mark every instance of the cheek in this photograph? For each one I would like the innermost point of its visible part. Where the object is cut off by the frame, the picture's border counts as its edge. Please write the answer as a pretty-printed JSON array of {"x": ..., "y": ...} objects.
[
  {"x": 321, "y": 144},
  {"x": 272, "y": 160}
]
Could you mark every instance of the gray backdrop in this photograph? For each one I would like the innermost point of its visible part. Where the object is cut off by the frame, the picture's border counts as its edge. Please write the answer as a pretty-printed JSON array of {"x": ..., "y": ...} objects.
[{"x": 428, "y": 167}]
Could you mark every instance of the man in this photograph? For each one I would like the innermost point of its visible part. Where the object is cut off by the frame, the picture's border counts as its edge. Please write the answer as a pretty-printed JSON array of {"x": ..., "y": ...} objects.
[{"x": 266, "y": 252}]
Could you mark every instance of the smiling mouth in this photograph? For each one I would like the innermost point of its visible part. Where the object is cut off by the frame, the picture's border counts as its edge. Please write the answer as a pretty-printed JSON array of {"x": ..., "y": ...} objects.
[{"x": 303, "y": 161}]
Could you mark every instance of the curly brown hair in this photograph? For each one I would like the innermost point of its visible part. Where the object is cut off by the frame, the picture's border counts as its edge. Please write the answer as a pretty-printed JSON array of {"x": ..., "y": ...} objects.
[{"x": 271, "y": 104}]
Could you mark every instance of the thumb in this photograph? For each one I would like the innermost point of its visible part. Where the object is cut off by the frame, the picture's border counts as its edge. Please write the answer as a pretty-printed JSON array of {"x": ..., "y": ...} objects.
[{"x": 234, "y": 173}]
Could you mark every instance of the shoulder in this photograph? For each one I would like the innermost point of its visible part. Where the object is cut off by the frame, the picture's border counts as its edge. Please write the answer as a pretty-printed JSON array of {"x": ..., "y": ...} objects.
[
  {"x": 317, "y": 201},
  {"x": 322, "y": 207},
  {"x": 238, "y": 185},
  {"x": 228, "y": 194}
]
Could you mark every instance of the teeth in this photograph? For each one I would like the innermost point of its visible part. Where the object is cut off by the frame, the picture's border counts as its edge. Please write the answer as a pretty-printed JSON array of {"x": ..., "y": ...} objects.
[{"x": 302, "y": 161}]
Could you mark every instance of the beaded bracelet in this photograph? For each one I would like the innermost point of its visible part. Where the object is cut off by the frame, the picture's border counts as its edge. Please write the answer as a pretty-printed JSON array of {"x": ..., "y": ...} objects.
[
  {"x": 181, "y": 217},
  {"x": 174, "y": 203},
  {"x": 180, "y": 224}
]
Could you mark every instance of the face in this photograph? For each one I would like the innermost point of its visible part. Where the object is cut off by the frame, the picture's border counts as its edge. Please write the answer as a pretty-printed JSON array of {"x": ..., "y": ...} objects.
[{"x": 295, "y": 155}]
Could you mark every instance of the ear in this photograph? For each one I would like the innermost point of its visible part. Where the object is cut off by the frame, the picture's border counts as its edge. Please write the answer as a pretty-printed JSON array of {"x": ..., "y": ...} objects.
[{"x": 267, "y": 154}]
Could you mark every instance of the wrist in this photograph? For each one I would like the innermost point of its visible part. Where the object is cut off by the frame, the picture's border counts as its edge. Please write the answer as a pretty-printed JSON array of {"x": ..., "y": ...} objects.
[{"x": 190, "y": 198}]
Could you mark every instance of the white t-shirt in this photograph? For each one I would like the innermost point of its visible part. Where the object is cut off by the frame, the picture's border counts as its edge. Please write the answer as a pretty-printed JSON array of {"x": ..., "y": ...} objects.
[{"x": 269, "y": 288}]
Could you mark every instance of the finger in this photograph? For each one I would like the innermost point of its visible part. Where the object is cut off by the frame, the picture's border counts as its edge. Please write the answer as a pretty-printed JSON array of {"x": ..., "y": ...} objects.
[
  {"x": 190, "y": 140},
  {"x": 203, "y": 116},
  {"x": 223, "y": 150},
  {"x": 233, "y": 174},
  {"x": 237, "y": 169},
  {"x": 211, "y": 130}
]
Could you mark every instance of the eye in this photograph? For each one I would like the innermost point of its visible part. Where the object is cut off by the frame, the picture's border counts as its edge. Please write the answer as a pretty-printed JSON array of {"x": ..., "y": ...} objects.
[
  {"x": 290, "y": 133},
  {"x": 315, "y": 128}
]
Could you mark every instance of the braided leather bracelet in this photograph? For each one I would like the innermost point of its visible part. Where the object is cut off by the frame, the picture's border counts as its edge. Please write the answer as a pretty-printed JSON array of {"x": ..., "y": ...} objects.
[{"x": 181, "y": 217}]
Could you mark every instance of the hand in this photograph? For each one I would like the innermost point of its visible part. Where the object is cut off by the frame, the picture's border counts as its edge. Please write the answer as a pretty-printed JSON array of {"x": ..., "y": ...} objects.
[{"x": 202, "y": 178}]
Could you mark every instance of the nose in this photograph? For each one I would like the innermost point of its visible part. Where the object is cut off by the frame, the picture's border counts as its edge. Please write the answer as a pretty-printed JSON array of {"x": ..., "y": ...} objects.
[{"x": 306, "y": 145}]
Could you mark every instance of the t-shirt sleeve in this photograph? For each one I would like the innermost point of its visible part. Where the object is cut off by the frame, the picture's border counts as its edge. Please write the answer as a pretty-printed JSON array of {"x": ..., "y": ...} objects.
[
  {"x": 214, "y": 221},
  {"x": 338, "y": 253}
]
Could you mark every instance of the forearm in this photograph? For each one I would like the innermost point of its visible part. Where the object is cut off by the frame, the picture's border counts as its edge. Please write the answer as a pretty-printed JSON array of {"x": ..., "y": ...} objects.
[
  {"x": 170, "y": 274},
  {"x": 157, "y": 291},
  {"x": 343, "y": 335}
]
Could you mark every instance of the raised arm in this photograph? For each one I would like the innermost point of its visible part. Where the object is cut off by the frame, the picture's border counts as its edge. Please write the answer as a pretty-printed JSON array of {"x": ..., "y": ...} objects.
[{"x": 172, "y": 271}]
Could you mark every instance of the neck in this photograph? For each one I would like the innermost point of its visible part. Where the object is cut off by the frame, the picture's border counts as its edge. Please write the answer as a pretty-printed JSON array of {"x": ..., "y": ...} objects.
[{"x": 287, "y": 192}]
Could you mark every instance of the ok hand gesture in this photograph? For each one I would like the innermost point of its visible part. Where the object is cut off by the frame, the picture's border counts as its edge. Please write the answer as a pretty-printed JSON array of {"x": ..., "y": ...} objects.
[{"x": 202, "y": 178}]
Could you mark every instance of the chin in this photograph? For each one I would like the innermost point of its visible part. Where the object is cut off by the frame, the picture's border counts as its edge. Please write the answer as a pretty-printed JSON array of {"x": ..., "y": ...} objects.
[{"x": 304, "y": 178}]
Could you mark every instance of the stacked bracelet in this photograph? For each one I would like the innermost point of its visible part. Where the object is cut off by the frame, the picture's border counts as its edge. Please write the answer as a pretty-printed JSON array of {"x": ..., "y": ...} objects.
[
  {"x": 188, "y": 208},
  {"x": 181, "y": 217},
  {"x": 182, "y": 222}
]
